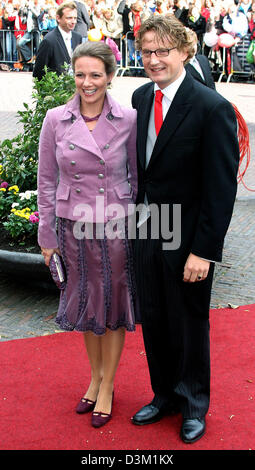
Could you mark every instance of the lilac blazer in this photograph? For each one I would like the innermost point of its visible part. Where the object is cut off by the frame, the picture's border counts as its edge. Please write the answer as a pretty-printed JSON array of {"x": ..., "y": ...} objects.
[{"x": 82, "y": 175}]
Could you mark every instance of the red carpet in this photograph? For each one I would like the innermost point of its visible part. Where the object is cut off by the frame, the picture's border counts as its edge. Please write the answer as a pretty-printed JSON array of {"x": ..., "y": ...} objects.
[{"x": 43, "y": 378}]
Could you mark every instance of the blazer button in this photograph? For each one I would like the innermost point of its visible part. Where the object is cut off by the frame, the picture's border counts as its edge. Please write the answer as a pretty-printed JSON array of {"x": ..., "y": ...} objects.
[
  {"x": 73, "y": 162},
  {"x": 102, "y": 162},
  {"x": 106, "y": 146},
  {"x": 71, "y": 146},
  {"x": 101, "y": 176},
  {"x": 78, "y": 190},
  {"x": 77, "y": 177},
  {"x": 101, "y": 190}
]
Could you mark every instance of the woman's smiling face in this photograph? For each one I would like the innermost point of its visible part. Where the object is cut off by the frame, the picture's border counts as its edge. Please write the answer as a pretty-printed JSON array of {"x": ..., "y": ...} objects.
[{"x": 91, "y": 80}]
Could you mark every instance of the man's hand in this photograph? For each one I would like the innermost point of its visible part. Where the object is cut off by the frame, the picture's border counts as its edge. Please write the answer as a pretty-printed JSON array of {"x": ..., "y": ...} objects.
[{"x": 195, "y": 269}]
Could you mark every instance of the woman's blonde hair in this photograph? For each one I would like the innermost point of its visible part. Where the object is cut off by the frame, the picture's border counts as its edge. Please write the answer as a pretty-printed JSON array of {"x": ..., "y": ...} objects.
[{"x": 167, "y": 28}]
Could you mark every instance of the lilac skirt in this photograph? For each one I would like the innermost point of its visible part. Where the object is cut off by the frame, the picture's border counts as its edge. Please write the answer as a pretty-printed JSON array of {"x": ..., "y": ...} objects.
[{"x": 100, "y": 291}]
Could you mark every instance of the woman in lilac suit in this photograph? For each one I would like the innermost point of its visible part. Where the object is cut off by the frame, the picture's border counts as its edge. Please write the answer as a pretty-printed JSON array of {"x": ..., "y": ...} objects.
[{"x": 87, "y": 179}]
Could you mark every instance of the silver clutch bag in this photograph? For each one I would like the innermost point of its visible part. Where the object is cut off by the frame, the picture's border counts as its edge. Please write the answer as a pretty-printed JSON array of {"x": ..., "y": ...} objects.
[{"x": 57, "y": 270}]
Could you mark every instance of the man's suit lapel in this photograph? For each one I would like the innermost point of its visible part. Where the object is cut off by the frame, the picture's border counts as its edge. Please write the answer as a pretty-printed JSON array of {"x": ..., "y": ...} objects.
[
  {"x": 204, "y": 66},
  {"x": 62, "y": 45},
  {"x": 195, "y": 73},
  {"x": 74, "y": 41},
  {"x": 143, "y": 122},
  {"x": 180, "y": 107}
]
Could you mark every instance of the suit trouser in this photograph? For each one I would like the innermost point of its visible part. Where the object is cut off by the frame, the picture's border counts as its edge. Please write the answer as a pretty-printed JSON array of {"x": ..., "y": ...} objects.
[
  {"x": 175, "y": 322},
  {"x": 28, "y": 50}
]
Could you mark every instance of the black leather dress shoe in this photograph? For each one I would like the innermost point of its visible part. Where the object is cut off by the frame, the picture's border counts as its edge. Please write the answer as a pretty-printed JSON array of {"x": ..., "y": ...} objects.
[
  {"x": 151, "y": 414},
  {"x": 192, "y": 429}
]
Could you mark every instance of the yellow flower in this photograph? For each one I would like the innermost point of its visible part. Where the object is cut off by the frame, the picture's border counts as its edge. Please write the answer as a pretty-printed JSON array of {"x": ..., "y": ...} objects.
[
  {"x": 2, "y": 189},
  {"x": 21, "y": 214},
  {"x": 15, "y": 188},
  {"x": 1, "y": 169}
]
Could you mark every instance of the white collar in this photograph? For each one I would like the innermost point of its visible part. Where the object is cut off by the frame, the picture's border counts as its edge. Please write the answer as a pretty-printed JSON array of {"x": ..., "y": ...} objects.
[
  {"x": 64, "y": 34},
  {"x": 193, "y": 60},
  {"x": 170, "y": 91}
]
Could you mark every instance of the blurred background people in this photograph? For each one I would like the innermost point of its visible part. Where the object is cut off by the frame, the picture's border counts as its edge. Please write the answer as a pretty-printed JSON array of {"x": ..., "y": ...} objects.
[{"x": 83, "y": 20}]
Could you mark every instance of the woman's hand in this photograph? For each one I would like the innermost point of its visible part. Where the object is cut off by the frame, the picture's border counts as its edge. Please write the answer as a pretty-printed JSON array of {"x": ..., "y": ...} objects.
[{"x": 47, "y": 254}]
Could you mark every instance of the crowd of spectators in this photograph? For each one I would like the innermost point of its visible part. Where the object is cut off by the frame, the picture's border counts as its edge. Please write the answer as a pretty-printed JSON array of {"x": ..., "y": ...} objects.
[{"x": 23, "y": 23}]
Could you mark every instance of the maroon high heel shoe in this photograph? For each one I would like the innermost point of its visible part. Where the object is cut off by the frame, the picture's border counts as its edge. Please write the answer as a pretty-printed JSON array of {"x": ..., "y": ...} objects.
[
  {"x": 85, "y": 405},
  {"x": 100, "y": 418}
]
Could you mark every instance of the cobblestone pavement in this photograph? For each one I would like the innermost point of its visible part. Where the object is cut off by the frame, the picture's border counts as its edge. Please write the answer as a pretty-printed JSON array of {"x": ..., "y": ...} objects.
[{"x": 27, "y": 311}]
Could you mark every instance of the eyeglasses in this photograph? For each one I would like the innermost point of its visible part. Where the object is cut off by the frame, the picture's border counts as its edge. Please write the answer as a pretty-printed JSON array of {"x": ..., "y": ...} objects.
[{"x": 158, "y": 52}]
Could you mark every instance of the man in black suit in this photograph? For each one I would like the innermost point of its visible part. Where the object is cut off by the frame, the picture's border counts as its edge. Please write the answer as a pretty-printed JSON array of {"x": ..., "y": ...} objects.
[
  {"x": 189, "y": 166},
  {"x": 199, "y": 66},
  {"x": 56, "y": 48},
  {"x": 83, "y": 20}
]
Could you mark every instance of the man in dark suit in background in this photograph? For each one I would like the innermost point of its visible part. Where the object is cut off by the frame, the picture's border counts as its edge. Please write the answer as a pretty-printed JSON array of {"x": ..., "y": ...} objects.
[
  {"x": 188, "y": 158},
  {"x": 83, "y": 20},
  {"x": 199, "y": 65},
  {"x": 56, "y": 48}
]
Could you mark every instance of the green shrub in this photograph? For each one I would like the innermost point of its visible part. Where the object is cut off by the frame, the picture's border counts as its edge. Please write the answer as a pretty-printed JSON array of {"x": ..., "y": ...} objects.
[{"x": 19, "y": 155}]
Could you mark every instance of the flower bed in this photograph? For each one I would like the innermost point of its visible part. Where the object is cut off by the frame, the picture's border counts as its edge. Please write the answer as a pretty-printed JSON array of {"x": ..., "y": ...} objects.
[{"x": 19, "y": 218}]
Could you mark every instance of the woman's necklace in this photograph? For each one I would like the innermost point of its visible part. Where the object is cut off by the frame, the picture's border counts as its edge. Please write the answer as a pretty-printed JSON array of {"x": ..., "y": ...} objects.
[{"x": 90, "y": 119}]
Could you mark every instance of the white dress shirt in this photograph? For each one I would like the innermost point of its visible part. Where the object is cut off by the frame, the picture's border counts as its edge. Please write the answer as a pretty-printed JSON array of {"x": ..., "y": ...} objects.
[{"x": 67, "y": 38}]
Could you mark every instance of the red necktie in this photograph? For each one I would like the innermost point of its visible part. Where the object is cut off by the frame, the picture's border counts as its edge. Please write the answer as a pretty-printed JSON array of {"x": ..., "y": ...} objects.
[{"x": 158, "y": 113}]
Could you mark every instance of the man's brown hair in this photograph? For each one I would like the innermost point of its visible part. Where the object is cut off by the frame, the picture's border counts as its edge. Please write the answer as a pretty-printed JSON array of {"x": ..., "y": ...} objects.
[
  {"x": 167, "y": 28},
  {"x": 64, "y": 5}
]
